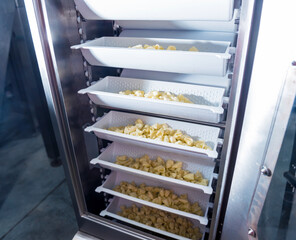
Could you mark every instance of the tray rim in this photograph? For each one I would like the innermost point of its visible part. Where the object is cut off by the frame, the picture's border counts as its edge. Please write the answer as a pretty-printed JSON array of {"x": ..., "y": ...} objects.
[
  {"x": 203, "y": 220},
  {"x": 116, "y": 167},
  {"x": 224, "y": 55},
  {"x": 211, "y": 154},
  {"x": 214, "y": 109}
]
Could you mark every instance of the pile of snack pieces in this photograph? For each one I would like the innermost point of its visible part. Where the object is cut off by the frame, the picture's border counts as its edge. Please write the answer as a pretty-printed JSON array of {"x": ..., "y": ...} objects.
[
  {"x": 160, "y": 95},
  {"x": 159, "y": 196},
  {"x": 168, "y": 168},
  {"x": 162, "y": 220},
  {"x": 160, "y": 132},
  {"x": 159, "y": 47}
]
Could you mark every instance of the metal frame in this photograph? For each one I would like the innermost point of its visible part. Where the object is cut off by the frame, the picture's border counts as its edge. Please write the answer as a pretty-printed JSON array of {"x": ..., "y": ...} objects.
[
  {"x": 54, "y": 55},
  {"x": 227, "y": 155},
  {"x": 50, "y": 80},
  {"x": 54, "y": 29},
  {"x": 268, "y": 75}
]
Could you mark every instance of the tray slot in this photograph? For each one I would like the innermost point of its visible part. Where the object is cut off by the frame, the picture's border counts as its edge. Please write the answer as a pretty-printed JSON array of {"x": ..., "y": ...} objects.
[
  {"x": 197, "y": 35},
  {"x": 190, "y": 26},
  {"x": 212, "y": 81}
]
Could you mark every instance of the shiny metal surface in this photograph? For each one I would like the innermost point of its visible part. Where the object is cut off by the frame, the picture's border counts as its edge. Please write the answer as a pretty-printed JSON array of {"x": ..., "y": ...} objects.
[
  {"x": 51, "y": 82},
  {"x": 234, "y": 99},
  {"x": 269, "y": 73},
  {"x": 54, "y": 29},
  {"x": 276, "y": 136},
  {"x": 62, "y": 73}
]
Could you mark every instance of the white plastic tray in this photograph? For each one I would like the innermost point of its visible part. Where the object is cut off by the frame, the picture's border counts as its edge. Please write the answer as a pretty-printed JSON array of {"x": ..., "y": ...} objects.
[
  {"x": 114, "y": 207},
  {"x": 212, "y": 58},
  {"x": 219, "y": 10},
  {"x": 116, "y": 119},
  {"x": 191, "y": 163},
  {"x": 192, "y": 26},
  {"x": 115, "y": 178},
  {"x": 207, "y": 100}
]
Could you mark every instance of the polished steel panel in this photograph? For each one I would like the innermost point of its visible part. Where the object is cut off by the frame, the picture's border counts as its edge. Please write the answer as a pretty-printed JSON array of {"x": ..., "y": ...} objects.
[
  {"x": 268, "y": 75},
  {"x": 242, "y": 48},
  {"x": 274, "y": 143},
  {"x": 53, "y": 26}
]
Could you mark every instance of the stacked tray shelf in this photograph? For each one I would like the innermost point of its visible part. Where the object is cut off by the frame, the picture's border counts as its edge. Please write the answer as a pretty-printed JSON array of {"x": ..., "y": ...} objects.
[
  {"x": 107, "y": 160},
  {"x": 207, "y": 101},
  {"x": 193, "y": 159},
  {"x": 114, "y": 207},
  {"x": 115, "y": 178},
  {"x": 211, "y": 59},
  {"x": 198, "y": 132}
]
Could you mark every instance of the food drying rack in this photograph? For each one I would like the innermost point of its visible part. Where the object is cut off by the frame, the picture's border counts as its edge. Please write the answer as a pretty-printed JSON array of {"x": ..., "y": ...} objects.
[{"x": 204, "y": 77}]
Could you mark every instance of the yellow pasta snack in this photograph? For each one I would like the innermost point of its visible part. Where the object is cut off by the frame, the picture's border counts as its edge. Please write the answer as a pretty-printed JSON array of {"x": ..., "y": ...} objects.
[
  {"x": 193, "y": 49},
  {"x": 162, "y": 220},
  {"x": 159, "y": 47},
  {"x": 160, "y": 95},
  {"x": 159, "y": 196},
  {"x": 171, "y": 48},
  {"x": 159, "y": 166},
  {"x": 160, "y": 132}
]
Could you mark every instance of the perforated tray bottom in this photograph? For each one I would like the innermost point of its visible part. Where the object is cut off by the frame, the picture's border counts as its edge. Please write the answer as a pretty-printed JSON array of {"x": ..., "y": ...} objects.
[
  {"x": 207, "y": 100},
  {"x": 114, "y": 207}
]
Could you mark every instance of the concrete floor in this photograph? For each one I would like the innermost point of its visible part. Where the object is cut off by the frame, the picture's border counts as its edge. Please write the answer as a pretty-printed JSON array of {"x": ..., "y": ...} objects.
[{"x": 34, "y": 198}]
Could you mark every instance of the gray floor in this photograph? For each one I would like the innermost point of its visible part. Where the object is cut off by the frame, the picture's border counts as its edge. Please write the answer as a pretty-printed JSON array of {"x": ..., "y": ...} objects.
[{"x": 34, "y": 199}]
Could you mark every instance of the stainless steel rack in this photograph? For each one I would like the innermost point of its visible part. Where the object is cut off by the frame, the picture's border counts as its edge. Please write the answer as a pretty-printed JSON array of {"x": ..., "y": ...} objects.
[{"x": 65, "y": 71}]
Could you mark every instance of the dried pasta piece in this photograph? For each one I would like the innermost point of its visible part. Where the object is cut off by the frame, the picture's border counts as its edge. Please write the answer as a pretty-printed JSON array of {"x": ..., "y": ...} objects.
[
  {"x": 193, "y": 49},
  {"x": 171, "y": 48},
  {"x": 159, "y": 196},
  {"x": 163, "y": 220},
  {"x": 169, "y": 168}
]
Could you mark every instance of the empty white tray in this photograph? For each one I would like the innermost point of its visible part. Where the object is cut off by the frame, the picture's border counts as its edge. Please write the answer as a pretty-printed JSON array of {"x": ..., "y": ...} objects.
[
  {"x": 115, "y": 178},
  {"x": 212, "y": 58},
  {"x": 114, "y": 207},
  {"x": 107, "y": 159},
  {"x": 116, "y": 119},
  {"x": 219, "y": 10},
  {"x": 207, "y": 100}
]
